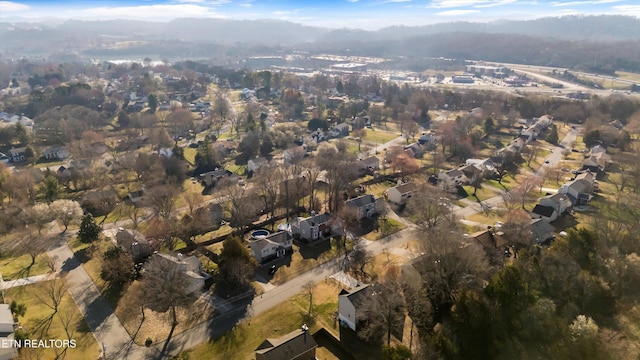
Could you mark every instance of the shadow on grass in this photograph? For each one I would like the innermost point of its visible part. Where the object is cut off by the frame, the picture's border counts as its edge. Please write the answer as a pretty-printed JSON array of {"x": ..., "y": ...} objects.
[{"x": 313, "y": 251}]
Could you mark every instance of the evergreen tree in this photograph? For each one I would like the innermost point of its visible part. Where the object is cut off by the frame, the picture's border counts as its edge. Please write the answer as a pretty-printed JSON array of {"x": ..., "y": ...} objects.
[
  {"x": 552, "y": 138},
  {"x": 489, "y": 125},
  {"x": 153, "y": 102},
  {"x": 89, "y": 230}
]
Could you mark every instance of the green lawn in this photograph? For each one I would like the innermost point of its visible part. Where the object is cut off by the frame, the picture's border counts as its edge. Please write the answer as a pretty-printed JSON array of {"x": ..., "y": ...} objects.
[
  {"x": 379, "y": 136},
  {"x": 307, "y": 258},
  {"x": 37, "y": 312},
  {"x": 13, "y": 268},
  {"x": 240, "y": 343},
  {"x": 482, "y": 193},
  {"x": 190, "y": 155},
  {"x": 386, "y": 228}
]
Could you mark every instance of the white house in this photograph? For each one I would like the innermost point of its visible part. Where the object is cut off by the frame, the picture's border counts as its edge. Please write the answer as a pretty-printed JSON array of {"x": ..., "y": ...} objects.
[
  {"x": 294, "y": 153},
  {"x": 546, "y": 213},
  {"x": 369, "y": 164},
  {"x": 18, "y": 154},
  {"x": 578, "y": 189},
  {"x": 349, "y": 302},
  {"x": 271, "y": 246},
  {"x": 315, "y": 227},
  {"x": 55, "y": 153},
  {"x": 7, "y": 333},
  {"x": 254, "y": 165},
  {"x": 400, "y": 193},
  {"x": 559, "y": 202},
  {"x": 364, "y": 205},
  {"x": 452, "y": 178},
  {"x": 190, "y": 266}
]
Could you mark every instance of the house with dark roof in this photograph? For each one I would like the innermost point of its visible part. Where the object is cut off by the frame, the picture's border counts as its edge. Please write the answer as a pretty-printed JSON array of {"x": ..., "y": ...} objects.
[
  {"x": 401, "y": 192},
  {"x": 365, "y": 205},
  {"x": 560, "y": 202},
  {"x": 350, "y": 304},
  {"x": 133, "y": 242},
  {"x": 298, "y": 345},
  {"x": 546, "y": 213},
  {"x": 340, "y": 130},
  {"x": 369, "y": 164},
  {"x": 210, "y": 178},
  {"x": 18, "y": 154},
  {"x": 315, "y": 227},
  {"x": 541, "y": 231},
  {"x": 265, "y": 248},
  {"x": 254, "y": 165}
]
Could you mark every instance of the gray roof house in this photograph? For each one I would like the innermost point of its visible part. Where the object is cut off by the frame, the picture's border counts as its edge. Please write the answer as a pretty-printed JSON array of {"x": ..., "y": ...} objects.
[
  {"x": 18, "y": 154},
  {"x": 298, "y": 345},
  {"x": 254, "y": 165},
  {"x": 190, "y": 266},
  {"x": 265, "y": 248},
  {"x": 369, "y": 164},
  {"x": 315, "y": 227},
  {"x": 541, "y": 231},
  {"x": 365, "y": 205},
  {"x": 340, "y": 130},
  {"x": 348, "y": 303},
  {"x": 560, "y": 202},
  {"x": 133, "y": 242}
]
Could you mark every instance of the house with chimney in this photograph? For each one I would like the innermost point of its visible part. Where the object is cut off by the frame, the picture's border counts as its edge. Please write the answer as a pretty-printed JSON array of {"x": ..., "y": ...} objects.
[
  {"x": 298, "y": 345},
  {"x": 315, "y": 227}
]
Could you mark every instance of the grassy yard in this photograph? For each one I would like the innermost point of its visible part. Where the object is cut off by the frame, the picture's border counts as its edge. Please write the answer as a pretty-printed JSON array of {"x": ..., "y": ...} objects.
[
  {"x": 241, "y": 342},
  {"x": 379, "y": 136},
  {"x": 305, "y": 258},
  {"x": 386, "y": 228},
  {"x": 190, "y": 155},
  {"x": 483, "y": 193},
  {"x": 17, "y": 267},
  {"x": 156, "y": 325},
  {"x": 34, "y": 323}
]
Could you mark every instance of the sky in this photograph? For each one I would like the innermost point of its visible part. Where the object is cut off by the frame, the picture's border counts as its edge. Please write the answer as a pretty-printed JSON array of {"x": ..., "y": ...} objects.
[{"x": 362, "y": 14}]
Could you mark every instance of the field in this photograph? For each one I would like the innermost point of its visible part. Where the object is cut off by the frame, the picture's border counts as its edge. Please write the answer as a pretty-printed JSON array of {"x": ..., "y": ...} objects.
[
  {"x": 240, "y": 342},
  {"x": 39, "y": 325}
]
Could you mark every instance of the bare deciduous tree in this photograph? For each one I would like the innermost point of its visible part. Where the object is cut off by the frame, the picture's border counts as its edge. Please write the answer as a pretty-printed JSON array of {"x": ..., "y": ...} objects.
[{"x": 430, "y": 206}]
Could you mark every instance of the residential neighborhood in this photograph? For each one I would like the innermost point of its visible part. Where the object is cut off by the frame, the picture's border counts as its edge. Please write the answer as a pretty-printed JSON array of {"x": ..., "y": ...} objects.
[{"x": 168, "y": 211}]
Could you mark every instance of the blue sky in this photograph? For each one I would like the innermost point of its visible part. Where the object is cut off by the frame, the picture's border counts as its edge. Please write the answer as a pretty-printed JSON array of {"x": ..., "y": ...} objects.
[{"x": 364, "y": 14}]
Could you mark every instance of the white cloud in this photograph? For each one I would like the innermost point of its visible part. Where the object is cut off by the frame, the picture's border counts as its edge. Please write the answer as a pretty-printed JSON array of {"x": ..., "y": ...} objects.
[
  {"x": 149, "y": 12},
  {"x": 353, "y": 1},
  {"x": 189, "y": 1},
  {"x": 633, "y": 10},
  {"x": 8, "y": 6},
  {"x": 456, "y": 12},
  {"x": 466, "y": 3},
  {"x": 395, "y": 1},
  {"x": 585, "y": 2},
  {"x": 246, "y": 5}
]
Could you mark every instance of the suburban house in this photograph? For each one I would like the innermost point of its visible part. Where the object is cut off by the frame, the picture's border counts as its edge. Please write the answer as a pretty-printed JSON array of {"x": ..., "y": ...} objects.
[
  {"x": 471, "y": 172},
  {"x": 541, "y": 231},
  {"x": 486, "y": 166},
  {"x": 4, "y": 158},
  {"x": 559, "y": 202},
  {"x": 369, "y": 164},
  {"x": 265, "y": 248},
  {"x": 365, "y": 205},
  {"x": 401, "y": 192},
  {"x": 414, "y": 150},
  {"x": 18, "y": 154},
  {"x": 133, "y": 242},
  {"x": 210, "y": 178},
  {"x": 340, "y": 130},
  {"x": 209, "y": 216},
  {"x": 491, "y": 241},
  {"x": 546, "y": 213},
  {"x": 294, "y": 154},
  {"x": 597, "y": 159},
  {"x": 254, "y": 165},
  {"x": 315, "y": 227},
  {"x": 55, "y": 153},
  {"x": 298, "y": 345},
  {"x": 190, "y": 266},
  {"x": 452, "y": 178},
  {"x": 98, "y": 200},
  {"x": 137, "y": 196},
  {"x": 579, "y": 189},
  {"x": 7, "y": 333},
  {"x": 348, "y": 303}
]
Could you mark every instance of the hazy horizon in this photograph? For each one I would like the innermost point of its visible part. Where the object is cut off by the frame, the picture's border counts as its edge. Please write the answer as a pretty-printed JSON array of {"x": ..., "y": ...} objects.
[{"x": 356, "y": 14}]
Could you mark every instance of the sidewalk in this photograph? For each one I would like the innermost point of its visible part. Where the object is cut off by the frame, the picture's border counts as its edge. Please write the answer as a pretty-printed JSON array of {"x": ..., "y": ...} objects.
[{"x": 4, "y": 285}]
